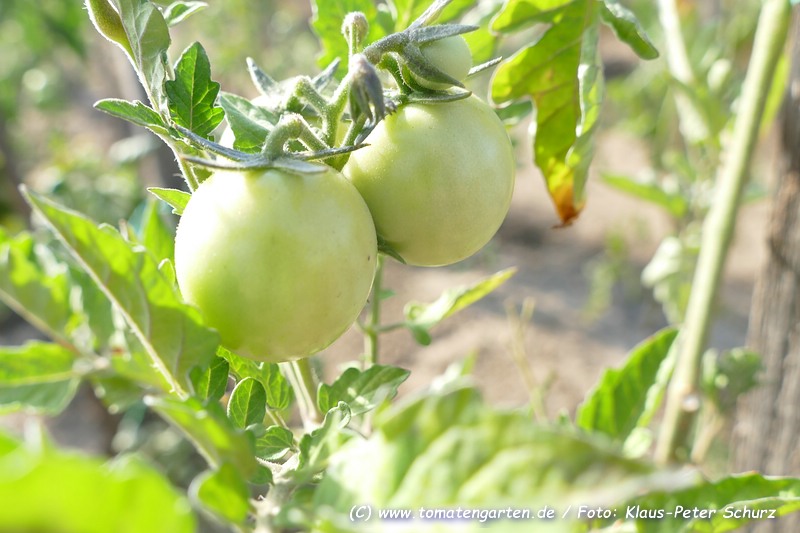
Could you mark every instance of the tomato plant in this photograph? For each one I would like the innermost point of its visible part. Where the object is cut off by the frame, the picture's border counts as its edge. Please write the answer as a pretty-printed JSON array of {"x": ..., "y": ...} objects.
[
  {"x": 437, "y": 178},
  {"x": 279, "y": 264},
  {"x": 212, "y": 328}
]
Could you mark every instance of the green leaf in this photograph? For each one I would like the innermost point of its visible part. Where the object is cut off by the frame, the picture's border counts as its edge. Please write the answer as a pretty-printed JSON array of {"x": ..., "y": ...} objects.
[
  {"x": 37, "y": 291},
  {"x": 519, "y": 14},
  {"x": 148, "y": 35},
  {"x": 675, "y": 204},
  {"x": 727, "y": 377},
  {"x": 317, "y": 447},
  {"x": 124, "y": 495},
  {"x": 108, "y": 23},
  {"x": 34, "y": 363},
  {"x": 177, "y": 199},
  {"x": 210, "y": 384},
  {"x": 223, "y": 492},
  {"x": 420, "y": 318},
  {"x": 615, "y": 406},
  {"x": 249, "y": 122},
  {"x": 362, "y": 390},
  {"x": 274, "y": 444},
  {"x": 177, "y": 12},
  {"x": 134, "y": 112},
  {"x": 171, "y": 332},
  {"x": 153, "y": 232},
  {"x": 193, "y": 95},
  {"x": 728, "y": 497},
  {"x": 628, "y": 29},
  {"x": 248, "y": 403},
  {"x": 209, "y": 430},
  {"x": 448, "y": 449},
  {"x": 279, "y": 393},
  {"x": 327, "y": 23},
  {"x": 37, "y": 377},
  {"x": 562, "y": 73}
]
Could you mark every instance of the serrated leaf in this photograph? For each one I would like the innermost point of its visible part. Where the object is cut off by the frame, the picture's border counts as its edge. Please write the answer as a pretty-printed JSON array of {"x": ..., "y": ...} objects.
[
  {"x": 562, "y": 74},
  {"x": 208, "y": 429},
  {"x": 210, "y": 383},
  {"x": 275, "y": 443},
  {"x": 361, "y": 390},
  {"x": 171, "y": 332},
  {"x": 123, "y": 495},
  {"x": 177, "y": 199},
  {"x": 317, "y": 447},
  {"x": 148, "y": 35},
  {"x": 327, "y": 24},
  {"x": 728, "y": 496},
  {"x": 36, "y": 294},
  {"x": 193, "y": 95},
  {"x": 449, "y": 449},
  {"x": 422, "y": 317},
  {"x": 675, "y": 204},
  {"x": 628, "y": 29},
  {"x": 279, "y": 393},
  {"x": 36, "y": 377},
  {"x": 177, "y": 12},
  {"x": 223, "y": 492},
  {"x": 615, "y": 406},
  {"x": 248, "y": 403},
  {"x": 134, "y": 112},
  {"x": 249, "y": 123}
]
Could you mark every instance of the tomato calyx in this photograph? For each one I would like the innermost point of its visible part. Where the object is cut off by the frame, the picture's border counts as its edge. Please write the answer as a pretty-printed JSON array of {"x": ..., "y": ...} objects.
[{"x": 405, "y": 46}]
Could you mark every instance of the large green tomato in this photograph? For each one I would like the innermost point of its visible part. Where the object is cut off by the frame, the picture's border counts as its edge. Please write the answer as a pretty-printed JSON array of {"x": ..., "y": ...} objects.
[
  {"x": 437, "y": 178},
  {"x": 280, "y": 264}
]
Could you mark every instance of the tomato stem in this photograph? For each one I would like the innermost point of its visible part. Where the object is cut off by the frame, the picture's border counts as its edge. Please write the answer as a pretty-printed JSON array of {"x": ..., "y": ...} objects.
[
  {"x": 684, "y": 393},
  {"x": 372, "y": 330},
  {"x": 301, "y": 377}
]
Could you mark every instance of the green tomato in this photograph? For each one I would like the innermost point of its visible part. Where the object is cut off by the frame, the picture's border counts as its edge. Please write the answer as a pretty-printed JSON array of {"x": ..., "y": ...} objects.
[
  {"x": 451, "y": 55},
  {"x": 437, "y": 178},
  {"x": 280, "y": 264}
]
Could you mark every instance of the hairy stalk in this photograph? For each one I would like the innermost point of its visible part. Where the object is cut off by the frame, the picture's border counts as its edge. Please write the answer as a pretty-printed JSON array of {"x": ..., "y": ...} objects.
[
  {"x": 372, "y": 330},
  {"x": 301, "y": 378},
  {"x": 683, "y": 395}
]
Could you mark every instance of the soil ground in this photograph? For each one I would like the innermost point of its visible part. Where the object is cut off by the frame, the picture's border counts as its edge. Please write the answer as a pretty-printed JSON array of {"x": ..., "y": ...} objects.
[{"x": 566, "y": 350}]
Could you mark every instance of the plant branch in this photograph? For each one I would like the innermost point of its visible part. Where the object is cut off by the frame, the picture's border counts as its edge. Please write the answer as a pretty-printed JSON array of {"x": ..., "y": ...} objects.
[
  {"x": 683, "y": 396},
  {"x": 301, "y": 377},
  {"x": 372, "y": 330},
  {"x": 692, "y": 123}
]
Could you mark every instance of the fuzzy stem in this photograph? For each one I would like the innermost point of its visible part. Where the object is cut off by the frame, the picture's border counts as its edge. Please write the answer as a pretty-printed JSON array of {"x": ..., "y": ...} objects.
[
  {"x": 372, "y": 330},
  {"x": 301, "y": 377},
  {"x": 683, "y": 395}
]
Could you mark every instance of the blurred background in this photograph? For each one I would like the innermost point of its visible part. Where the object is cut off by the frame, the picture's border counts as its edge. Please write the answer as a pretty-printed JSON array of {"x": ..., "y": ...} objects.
[{"x": 583, "y": 296}]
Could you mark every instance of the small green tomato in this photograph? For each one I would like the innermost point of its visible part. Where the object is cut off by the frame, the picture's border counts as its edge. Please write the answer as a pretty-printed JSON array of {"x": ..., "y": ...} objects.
[
  {"x": 437, "y": 179},
  {"x": 451, "y": 55}
]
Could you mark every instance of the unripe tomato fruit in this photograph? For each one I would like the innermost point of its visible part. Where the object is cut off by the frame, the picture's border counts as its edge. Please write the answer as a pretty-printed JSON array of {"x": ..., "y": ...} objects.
[
  {"x": 451, "y": 55},
  {"x": 437, "y": 178},
  {"x": 280, "y": 264}
]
